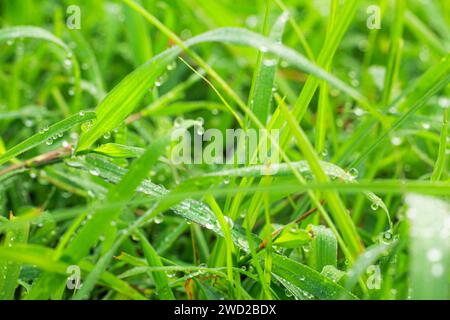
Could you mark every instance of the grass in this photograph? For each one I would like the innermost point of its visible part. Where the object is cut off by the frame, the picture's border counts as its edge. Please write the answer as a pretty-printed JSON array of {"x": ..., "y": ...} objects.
[{"x": 358, "y": 208}]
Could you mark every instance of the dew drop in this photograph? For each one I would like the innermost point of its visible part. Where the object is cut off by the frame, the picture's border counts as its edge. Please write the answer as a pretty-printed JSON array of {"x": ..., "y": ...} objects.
[
  {"x": 49, "y": 141},
  {"x": 95, "y": 172},
  {"x": 229, "y": 221},
  {"x": 396, "y": 141},
  {"x": 358, "y": 112},
  {"x": 251, "y": 21},
  {"x": 444, "y": 102},
  {"x": 171, "y": 66},
  {"x": 158, "y": 219},
  {"x": 387, "y": 235},
  {"x": 354, "y": 173},
  {"x": 437, "y": 270},
  {"x": 269, "y": 62},
  {"x": 43, "y": 130},
  {"x": 434, "y": 255},
  {"x": 374, "y": 206},
  {"x": 28, "y": 123},
  {"x": 209, "y": 226},
  {"x": 426, "y": 125},
  {"x": 226, "y": 180},
  {"x": 68, "y": 63},
  {"x": 107, "y": 135}
]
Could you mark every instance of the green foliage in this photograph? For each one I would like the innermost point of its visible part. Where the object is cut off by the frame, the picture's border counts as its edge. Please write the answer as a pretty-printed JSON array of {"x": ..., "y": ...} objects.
[{"x": 356, "y": 206}]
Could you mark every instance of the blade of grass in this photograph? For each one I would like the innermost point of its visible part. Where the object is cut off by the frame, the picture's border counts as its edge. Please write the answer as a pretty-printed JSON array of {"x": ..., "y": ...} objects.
[
  {"x": 10, "y": 271},
  {"x": 46, "y": 134}
]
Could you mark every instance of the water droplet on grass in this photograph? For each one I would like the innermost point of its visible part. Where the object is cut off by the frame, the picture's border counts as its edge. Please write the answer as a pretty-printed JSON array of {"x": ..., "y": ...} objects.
[
  {"x": 95, "y": 172},
  {"x": 434, "y": 255},
  {"x": 354, "y": 173},
  {"x": 426, "y": 125},
  {"x": 229, "y": 221},
  {"x": 171, "y": 66},
  {"x": 396, "y": 141},
  {"x": 68, "y": 63},
  {"x": 269, "y": 62},
  {"x": 444, "y": 102},
  {"x": 437, "y": 270}
]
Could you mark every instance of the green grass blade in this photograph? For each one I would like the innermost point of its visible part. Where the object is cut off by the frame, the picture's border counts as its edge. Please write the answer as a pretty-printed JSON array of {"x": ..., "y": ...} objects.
[
  {"x": 308, "y": 280},
  {"x": 264, "y": 77},
  {"x": 10, "y": 271},
  {"x": 323, "y": 248},
  {"x": 160, "y": 278},
  {"x": 47, "y": 134},
  {"x": 20, "y": 32}
]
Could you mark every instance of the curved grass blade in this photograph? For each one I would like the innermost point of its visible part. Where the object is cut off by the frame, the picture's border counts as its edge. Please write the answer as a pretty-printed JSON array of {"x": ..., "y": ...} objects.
[
  {"x": 46, "y": 134},
  {"x": 21, "y": 32}
]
